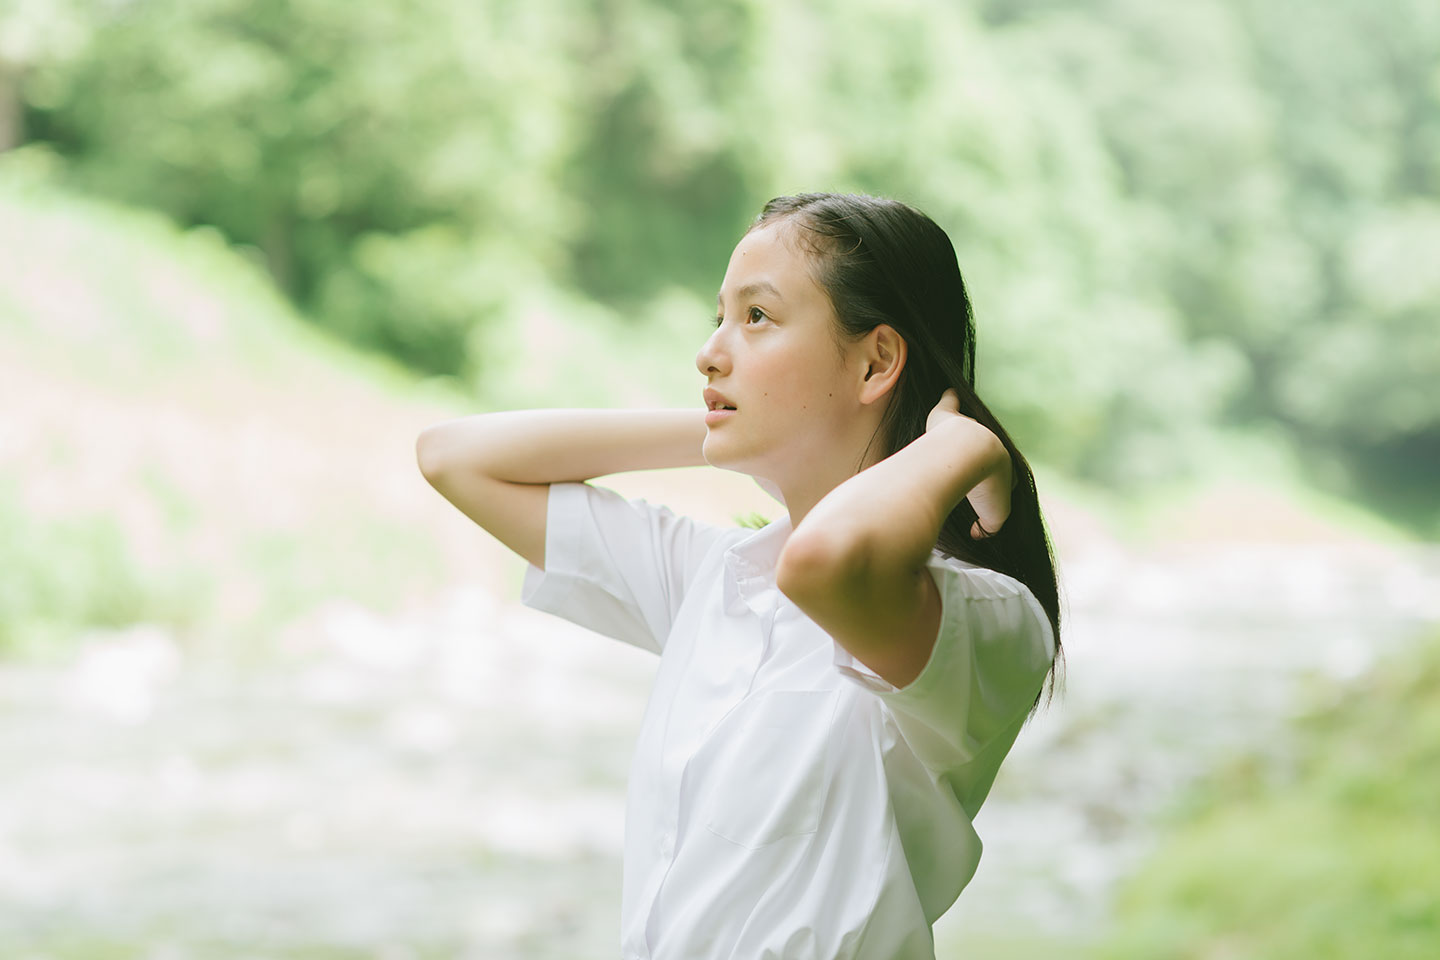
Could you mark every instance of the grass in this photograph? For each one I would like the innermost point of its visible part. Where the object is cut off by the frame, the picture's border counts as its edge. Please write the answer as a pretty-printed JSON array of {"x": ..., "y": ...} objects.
[{"x": 1337, "y": 857}]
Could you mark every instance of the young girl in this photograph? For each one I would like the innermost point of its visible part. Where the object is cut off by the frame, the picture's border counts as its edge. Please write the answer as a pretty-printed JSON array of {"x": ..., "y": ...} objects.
[{"x": 837, "y": 689}]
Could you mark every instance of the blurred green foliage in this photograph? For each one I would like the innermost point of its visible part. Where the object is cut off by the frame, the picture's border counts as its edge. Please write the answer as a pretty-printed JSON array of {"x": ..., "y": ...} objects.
[
  {"x": 145, "y": 434},
  {"x": 1333, "y": 854},
  {"x": 1171, "y": 216},
  {"x": 88, "y": 575}
]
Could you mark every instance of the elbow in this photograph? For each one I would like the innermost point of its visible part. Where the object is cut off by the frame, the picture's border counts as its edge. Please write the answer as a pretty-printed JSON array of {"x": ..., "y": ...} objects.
[
  {"x": 443, "y": 446},
  {"x": 810, "y": 561},
  {"x": 427, "y": 453}
]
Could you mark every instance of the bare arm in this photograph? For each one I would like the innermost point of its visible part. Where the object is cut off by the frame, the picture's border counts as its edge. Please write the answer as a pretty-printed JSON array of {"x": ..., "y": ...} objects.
[
  {"x": 550, "y": 446},
  {"x": 856, "y": 563},
  {"x": 497, "y": 467}
]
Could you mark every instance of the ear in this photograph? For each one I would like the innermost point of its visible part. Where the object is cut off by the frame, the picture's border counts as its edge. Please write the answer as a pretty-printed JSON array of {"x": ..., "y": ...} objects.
[{"x": 882, "y": 357}]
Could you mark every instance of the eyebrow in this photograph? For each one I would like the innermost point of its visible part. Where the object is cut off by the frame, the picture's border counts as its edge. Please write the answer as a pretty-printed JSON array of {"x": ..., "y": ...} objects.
[{"x": 760, "y": 286}]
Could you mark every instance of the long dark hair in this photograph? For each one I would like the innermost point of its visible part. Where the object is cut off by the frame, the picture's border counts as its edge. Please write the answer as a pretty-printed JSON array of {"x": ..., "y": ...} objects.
[{"x": 882, "y": 261}]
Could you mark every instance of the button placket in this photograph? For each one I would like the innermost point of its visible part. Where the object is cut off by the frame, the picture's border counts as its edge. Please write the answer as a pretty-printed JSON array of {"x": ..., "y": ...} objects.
[{"x": 747, "y": 591}]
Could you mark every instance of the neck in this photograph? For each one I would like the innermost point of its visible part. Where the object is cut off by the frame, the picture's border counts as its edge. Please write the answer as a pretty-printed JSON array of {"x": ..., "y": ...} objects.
[{"x": 803, "y": 492}]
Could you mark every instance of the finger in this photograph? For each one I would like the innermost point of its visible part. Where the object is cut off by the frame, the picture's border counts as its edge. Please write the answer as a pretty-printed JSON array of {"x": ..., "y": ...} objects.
[{"x": 977, "y": 532}]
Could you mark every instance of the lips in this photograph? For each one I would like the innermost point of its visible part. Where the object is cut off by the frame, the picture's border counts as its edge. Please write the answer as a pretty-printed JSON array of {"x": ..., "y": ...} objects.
[{"x": 715, "y": 400}]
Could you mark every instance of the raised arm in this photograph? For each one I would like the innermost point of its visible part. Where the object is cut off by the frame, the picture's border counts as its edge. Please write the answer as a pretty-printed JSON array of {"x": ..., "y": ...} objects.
[
  {"x": 857, "y": 563},
  {"x": 497, "y": 467}
]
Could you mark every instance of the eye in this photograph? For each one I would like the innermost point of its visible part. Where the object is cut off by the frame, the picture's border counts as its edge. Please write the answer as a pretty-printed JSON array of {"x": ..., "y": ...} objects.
[{"x": 750, "y": 314}]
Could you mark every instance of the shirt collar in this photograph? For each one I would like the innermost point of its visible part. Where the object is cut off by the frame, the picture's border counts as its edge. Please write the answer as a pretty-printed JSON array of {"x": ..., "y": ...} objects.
[{"x": 750, "y": 563}]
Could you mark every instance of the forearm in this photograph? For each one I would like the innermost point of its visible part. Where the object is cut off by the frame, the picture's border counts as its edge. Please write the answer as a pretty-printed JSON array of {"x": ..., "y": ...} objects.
[
  {"x": 557, "y": 445},
  {"x": 892, "y": 512}
]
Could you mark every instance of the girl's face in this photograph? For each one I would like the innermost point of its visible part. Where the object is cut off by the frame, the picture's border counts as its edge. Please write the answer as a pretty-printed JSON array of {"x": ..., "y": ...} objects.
[{"x": 797, "y": 418}]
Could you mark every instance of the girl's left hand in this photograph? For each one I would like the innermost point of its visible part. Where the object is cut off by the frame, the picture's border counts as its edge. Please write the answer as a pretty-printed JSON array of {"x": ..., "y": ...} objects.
[{"x": 991, "y": 496}]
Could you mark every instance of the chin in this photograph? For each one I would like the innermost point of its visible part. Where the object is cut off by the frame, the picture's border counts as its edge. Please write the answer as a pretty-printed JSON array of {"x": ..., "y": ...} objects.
[
  {"x": 717, "y": 458},
  {"x": 716, "y": 454}
]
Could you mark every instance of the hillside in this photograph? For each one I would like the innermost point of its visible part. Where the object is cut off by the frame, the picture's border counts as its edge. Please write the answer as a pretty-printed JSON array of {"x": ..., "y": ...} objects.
[{"x": 180, "y": 447}]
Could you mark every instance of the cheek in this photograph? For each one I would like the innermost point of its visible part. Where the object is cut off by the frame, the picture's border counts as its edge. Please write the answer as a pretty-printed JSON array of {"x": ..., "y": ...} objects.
[
  {"x": 801, "y": 403},
  {"x": 796, "y": 389}
]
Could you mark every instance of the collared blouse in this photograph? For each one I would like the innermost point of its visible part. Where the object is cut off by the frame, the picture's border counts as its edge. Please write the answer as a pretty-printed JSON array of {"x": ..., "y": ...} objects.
[{"x": 785, "y": 802}]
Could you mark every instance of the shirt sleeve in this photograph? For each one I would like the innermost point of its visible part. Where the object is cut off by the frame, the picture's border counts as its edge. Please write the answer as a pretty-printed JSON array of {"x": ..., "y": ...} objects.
[
  {"x": 616, "y": 566},
  {"x": 991, "y": 655}
]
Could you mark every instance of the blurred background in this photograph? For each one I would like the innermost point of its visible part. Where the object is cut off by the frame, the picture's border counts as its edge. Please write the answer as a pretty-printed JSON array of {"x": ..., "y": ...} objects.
[{"x": 264, "y": 694}]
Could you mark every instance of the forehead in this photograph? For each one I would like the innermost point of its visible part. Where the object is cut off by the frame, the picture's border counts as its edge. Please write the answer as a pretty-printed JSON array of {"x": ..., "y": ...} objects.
[{"x": 767, "y": 261}]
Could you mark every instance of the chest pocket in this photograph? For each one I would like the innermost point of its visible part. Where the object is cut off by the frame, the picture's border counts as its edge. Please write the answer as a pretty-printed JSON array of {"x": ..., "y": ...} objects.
[{"x": 763, "y": 773}]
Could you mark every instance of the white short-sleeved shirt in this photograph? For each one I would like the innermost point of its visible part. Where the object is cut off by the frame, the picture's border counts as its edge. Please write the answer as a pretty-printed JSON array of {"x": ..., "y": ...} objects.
[{"x": 784, "y": 801}]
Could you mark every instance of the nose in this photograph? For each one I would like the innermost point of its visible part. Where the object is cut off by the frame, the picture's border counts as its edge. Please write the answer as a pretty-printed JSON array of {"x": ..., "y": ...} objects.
[{"x": 711, "y": 359}]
